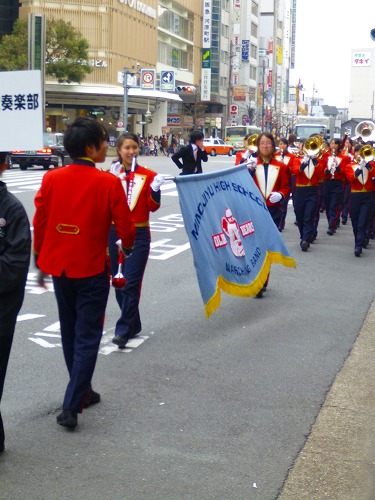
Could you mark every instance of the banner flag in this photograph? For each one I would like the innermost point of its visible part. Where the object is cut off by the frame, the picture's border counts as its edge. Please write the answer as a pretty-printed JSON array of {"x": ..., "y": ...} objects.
[{"x": 232, "y": 235}]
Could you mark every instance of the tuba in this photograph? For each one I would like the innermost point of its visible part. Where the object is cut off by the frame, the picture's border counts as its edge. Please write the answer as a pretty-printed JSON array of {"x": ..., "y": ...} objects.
[
  {"x": 251, "y": 143},
  {"x": 365, "y": 130}
]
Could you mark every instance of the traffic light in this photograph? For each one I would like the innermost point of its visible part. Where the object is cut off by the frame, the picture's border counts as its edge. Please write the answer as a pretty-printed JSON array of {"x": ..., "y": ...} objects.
[{"x": 185, "y": 88}]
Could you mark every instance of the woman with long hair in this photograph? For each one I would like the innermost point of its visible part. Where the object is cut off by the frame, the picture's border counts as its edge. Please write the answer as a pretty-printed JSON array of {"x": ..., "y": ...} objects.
[{"x": 142, "y": 187}]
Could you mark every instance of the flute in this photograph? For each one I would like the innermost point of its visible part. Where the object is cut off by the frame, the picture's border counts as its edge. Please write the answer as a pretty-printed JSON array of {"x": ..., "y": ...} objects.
[{"x": 131, "y": 180}]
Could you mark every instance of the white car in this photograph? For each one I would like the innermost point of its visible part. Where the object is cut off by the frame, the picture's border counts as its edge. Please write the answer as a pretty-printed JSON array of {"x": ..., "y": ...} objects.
[{"x": 216, "y": 146}]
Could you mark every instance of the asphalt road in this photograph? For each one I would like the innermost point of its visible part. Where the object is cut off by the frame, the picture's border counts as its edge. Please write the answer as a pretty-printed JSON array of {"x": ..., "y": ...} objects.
[{"x": 195, "y": 409}]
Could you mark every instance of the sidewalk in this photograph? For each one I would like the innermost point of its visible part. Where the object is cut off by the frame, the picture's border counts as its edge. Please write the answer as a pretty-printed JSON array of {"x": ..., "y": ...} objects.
[{"x": 338, "y": 459}]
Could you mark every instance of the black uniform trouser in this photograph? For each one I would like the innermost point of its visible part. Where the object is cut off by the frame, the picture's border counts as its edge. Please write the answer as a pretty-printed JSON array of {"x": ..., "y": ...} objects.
[
  {"x": 10, "y": 305},
  {"x": 129, "y": 322},
  {"x": 305, "y": 207},
  {"x": 81, "y": 303},
  {"x": 361, "y": 206},
  {"x": 333, "y": 190}
]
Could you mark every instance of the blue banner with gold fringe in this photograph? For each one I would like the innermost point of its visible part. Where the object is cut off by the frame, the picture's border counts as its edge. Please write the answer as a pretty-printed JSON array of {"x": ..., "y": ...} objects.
[{"x": 232, "y": 235}]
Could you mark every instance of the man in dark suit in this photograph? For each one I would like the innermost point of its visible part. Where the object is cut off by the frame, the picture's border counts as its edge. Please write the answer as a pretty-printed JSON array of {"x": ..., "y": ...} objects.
[
  {"x": 15, "y": 246},
  {"x": 191, "y": 155}
]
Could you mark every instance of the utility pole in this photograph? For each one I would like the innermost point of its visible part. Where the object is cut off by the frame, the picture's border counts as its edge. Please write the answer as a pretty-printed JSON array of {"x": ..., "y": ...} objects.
[
  {"x": 125, "y": 99},
  {"x": 263, "y": 74}
]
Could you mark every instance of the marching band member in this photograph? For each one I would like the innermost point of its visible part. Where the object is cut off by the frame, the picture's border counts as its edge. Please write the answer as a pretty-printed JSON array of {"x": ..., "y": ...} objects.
[
  {"x": 75, "y": 208},
  {"x": 249, "y": 151},
  {"x": 347, "y": 150},
  {"x": 271, "y": 177},
  {"x": 360, "y": 175},
  {"x": 334, "y": 165},
  {"x": 306, "y": 198},
  {"x": 288, "y": 158},
  {"x": 143, "y": 191}
]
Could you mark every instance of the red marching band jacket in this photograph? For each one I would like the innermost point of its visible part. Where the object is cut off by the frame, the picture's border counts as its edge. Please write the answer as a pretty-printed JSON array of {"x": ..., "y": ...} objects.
[
  {"x": 342, "y": 162},
  {"x": 310, "y": 175},
  {"x": 71, "y": 226},
  {"x": 141, "y": 203},
  {"x": 363, "y": 182},
  {"x": 277, "y": 179}
]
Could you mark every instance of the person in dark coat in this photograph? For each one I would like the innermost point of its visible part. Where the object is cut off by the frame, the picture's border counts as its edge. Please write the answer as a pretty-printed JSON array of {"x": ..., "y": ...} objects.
[
  {"x": 15, "y": 248},
  {"x": 189, "y": 158}
]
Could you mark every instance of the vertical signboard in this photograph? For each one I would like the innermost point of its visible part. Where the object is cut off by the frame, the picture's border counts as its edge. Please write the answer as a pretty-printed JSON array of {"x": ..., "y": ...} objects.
[
  {"x": 21, "y": 109},
  {"x": 206, "y": 55}
]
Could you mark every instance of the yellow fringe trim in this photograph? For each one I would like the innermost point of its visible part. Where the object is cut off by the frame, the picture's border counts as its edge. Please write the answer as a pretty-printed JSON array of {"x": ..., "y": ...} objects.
[{"x": 251, "y": 289}]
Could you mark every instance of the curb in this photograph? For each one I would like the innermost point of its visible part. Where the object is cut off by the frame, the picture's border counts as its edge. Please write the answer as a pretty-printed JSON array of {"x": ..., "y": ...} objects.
[{"x": 338, "y": 459}]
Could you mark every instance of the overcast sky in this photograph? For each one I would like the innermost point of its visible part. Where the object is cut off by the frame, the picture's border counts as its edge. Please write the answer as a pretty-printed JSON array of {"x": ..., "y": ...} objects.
[{"x": 326, "y": 32}]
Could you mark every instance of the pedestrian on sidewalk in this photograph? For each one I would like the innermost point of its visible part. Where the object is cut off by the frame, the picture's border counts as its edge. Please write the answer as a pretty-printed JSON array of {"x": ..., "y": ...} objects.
[
  {"x": 15, "y": 247},
  {"x": 75, "y": 207}
]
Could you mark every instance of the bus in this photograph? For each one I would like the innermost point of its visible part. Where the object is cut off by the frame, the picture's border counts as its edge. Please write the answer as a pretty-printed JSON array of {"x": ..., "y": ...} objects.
[{"x": 235, "y": 134}]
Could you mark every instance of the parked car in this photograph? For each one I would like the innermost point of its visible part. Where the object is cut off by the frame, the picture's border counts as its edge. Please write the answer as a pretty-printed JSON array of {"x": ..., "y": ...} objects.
[
  {"x": 53, "y": 153},
  {"x": 216, "y": 146}
]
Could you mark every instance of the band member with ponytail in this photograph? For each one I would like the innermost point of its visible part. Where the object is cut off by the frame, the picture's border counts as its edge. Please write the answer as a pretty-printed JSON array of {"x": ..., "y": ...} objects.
[
  {"x": 334, "y": 165},
  {"x": 360, "y": 175},
  {"x": 271, "y": 177},
  {"x": 347, "y": 150},
  {"x": 142, "y": 187}
]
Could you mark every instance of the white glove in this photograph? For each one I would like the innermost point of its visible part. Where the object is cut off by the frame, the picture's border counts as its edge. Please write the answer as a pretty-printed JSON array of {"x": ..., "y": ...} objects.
[
  {"x": 362, "y": 163},
  {"x": 275, "y": 197},
  {"x": 157, "y": 182},
  {"x": 252, "y": 163},
  {"x": 306, "y": 159}
]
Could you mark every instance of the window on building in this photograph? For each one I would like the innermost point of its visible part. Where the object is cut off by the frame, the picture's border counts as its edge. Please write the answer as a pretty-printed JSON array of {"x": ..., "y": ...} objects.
[
  {"x": 173, "y": 56},
  {"x": 253, "y": 72},
  {"x": 254, "y": 9},
  {"x": 181, "y": 26},
  {"x": 225, "y": 31},
  {"x": 254, "y": 30},
  {"x": 254, "y": 51},
  {"x": 224, "y": 56}
]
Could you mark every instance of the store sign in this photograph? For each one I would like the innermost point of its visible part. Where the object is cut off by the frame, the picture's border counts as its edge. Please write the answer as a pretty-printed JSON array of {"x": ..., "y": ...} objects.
[
  {"x": 21, "y": 109},
  {"x": 207, "y": 23},
  {"x": 234, "y": 109},
  {"x": 206, "y": 84},
  {"x": 173, "y": 120},
  {"x": 361, "y": 59},
  {"x": 239, "y": 94},
  {"x": 245, "y": 50},
  {"x": 140, "y": 7}
]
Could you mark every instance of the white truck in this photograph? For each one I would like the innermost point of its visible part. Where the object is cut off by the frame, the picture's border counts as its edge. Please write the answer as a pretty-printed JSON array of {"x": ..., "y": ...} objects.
[{"x": 310, "y": 125}]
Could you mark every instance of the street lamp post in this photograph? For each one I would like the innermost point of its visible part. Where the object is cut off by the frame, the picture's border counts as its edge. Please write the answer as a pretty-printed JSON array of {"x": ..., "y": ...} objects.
[
  {"x": 125, "y": 74},
  {"x": 313, "y": 99}
]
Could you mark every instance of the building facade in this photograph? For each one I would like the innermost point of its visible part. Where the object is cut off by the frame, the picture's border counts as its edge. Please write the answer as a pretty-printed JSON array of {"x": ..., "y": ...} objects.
[
  {"x": 128, "y": 35},
  {"x": 362, "y": 84}
]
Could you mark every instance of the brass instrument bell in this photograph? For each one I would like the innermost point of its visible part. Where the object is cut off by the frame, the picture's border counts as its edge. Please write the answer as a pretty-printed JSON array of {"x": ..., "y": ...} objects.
[
  {"x": 251, "y": 143},
  {"x": 365, "y": 129},
  {"x": 367, "y": 153}
]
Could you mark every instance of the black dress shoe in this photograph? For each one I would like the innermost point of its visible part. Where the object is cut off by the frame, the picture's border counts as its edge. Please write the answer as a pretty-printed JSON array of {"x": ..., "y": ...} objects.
[
  {"x": 330, "y": 231},
  {"x": 304, "y": 245},
  {"x": 67, "y": 418},
  {"x": 93, "y": 399},
  {"x": 357, "y": 251},
  {"x": 119, "y": 341}
]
